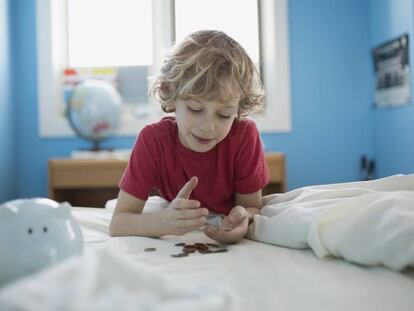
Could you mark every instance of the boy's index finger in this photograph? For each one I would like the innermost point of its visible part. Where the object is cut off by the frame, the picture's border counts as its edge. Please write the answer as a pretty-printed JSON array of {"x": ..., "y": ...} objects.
[{"x": 186, "y": 190}]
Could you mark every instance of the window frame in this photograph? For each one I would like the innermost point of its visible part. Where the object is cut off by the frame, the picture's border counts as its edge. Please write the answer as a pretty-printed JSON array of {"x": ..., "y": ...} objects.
[{"x": 52, "y": 59}]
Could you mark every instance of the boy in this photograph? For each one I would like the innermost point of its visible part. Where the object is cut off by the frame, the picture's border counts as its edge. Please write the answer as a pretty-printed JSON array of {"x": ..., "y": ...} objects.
[{"x": 207, "y": 157}]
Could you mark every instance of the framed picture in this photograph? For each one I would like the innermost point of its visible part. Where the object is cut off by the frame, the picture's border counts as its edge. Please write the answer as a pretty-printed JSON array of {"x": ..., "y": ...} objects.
[{"x": 392, "y": 73}]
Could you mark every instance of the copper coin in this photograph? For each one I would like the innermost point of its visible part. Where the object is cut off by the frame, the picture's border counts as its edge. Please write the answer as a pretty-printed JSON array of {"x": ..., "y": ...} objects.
[
  {"x": 179, "y": 255},
  {"x": 221, "y": 250},
  {"x": 200, "y": 246},
  {"x": 188, "y": 251},
  {"x": 205, "y": 251},
  {"x": 150, "y": 249},
  {"x": 211, "y": 244}
]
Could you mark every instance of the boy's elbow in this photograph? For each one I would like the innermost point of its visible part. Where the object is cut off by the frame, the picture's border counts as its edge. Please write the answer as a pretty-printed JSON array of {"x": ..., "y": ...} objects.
[
  {"x": 112, "y": 233},
  {"x": 112, "y": 229}
]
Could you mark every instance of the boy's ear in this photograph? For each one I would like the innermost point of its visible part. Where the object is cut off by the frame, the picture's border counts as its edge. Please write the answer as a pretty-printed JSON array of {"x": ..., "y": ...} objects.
[{"x": 170, "y": 105}]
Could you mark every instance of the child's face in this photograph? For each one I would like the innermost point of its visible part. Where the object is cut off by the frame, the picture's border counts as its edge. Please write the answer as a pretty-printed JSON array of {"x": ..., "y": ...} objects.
[{"x": 203, "y": 124}]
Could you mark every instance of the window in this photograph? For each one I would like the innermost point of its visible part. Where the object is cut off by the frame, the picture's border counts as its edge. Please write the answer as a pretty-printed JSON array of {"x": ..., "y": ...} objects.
[
  {"x": 145, "y": 30},
  {"x": 115, "y": 35},
  {"x": 193, "y": 15},
  {"x": 109, "y": 33}
]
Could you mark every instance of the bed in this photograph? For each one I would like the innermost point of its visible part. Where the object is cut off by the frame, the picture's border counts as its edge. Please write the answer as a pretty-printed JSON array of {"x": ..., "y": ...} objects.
[
  {"x": 255, "y": 275},
  {"x": 264, "y": 277}
]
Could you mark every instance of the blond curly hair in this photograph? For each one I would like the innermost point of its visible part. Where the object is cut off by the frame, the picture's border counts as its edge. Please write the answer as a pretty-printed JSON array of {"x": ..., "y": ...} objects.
[{"x": 209, "y": 65}]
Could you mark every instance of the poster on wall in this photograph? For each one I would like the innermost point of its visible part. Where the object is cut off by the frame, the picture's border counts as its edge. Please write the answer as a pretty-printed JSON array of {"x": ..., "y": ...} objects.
[{"x": 392, "y": 73}]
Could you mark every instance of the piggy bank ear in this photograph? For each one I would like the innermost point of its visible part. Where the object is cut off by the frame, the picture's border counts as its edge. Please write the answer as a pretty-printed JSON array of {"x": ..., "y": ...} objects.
[
  {"x": 63, "y": 210},
  {"x": 8, "y": 210}
]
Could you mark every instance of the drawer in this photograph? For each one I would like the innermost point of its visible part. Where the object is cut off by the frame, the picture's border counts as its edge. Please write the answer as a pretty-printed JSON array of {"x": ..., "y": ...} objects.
[{"x": 85, "y": 174}]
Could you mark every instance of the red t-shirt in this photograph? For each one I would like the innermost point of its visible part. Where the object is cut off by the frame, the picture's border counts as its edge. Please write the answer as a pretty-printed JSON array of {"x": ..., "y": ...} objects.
[{"x": 159, "y": 160}]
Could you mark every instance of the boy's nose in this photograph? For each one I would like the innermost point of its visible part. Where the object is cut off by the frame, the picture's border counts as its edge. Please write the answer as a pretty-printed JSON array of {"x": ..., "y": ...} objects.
[{"x": 207, "y": 124}]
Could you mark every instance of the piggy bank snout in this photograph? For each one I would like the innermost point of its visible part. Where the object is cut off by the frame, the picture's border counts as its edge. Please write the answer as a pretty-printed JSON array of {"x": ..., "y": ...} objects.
[{"x": 42, "y": 257}]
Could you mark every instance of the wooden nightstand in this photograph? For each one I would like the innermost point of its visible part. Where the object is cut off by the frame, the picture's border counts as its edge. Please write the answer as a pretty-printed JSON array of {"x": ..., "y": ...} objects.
[{"x": 93, "y": 182}]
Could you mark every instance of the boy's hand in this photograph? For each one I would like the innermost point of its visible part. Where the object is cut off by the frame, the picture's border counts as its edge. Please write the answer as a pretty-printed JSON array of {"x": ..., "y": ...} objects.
[
  {"x": 184, "y": 215},
  {"x": 233, "y": 228}
]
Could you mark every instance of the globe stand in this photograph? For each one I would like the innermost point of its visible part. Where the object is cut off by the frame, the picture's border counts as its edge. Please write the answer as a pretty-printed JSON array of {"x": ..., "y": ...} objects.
[
  {"x": 96, "y": 146},
  {"x": 96, "y": 143}
]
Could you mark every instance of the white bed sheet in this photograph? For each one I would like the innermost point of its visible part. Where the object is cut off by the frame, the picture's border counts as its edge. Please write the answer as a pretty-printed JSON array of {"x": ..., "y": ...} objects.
[{"x": 264, "y": 277}]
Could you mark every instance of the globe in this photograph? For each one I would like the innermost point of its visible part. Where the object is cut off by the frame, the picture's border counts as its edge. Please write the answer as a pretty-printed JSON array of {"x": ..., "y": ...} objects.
[{"x": 94, "y": 110}]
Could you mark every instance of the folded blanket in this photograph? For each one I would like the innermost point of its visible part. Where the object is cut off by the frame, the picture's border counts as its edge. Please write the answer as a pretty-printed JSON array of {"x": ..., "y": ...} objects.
[
  {"x": 102, "y": 280},
  {"x": 369, "y": 222}
]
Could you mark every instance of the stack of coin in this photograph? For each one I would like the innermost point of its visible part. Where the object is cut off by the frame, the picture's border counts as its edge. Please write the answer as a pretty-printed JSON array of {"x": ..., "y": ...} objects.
[{"x": 202, "y": 248}]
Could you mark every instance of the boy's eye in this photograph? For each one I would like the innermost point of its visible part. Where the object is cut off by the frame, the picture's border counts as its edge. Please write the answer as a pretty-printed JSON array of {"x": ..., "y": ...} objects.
[
  {"x": 224, "y": 117},
  {"x": 193, "y": 110}
]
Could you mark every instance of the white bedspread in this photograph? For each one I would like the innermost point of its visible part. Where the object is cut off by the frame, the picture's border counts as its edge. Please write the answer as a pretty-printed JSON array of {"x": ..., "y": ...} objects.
[
  {"x": 368, "y": 223},
  {"x": 102, "y": 280},
  {"x": 250, "y": 276}
]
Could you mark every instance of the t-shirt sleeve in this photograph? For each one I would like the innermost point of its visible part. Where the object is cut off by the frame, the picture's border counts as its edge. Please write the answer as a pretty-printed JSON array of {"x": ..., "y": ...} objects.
[
  {"x": 140, "y": 176},
  {"x": 252, "y": 172}
]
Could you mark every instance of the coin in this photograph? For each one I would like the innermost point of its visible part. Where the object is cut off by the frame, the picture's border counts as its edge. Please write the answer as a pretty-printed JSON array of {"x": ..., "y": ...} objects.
[
  {"x": 211, "y": 244},
  {"x": 188, "y": 251},
  {"x": 200, "y": 246},
  {"x": 179, "y": 255},
  {"x": 205, "y": 251},
  {"x": 150, "y": 249},
  {"x": 220, "y": 250}
]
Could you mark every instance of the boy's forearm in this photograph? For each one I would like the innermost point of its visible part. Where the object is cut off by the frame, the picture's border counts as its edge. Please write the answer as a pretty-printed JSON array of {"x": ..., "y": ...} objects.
[{"x": 147, "y": 225}]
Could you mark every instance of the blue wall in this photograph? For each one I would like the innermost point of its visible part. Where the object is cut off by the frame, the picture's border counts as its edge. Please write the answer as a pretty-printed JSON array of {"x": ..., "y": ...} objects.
[
  {"x": 394, "y": 127},
  {"x": 7, "y": 143},
  {"x": 331, "y": 78}
]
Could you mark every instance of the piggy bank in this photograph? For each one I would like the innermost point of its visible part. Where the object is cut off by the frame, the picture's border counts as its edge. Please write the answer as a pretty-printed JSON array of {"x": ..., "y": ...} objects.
[{"x": 35, "y": 233}]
